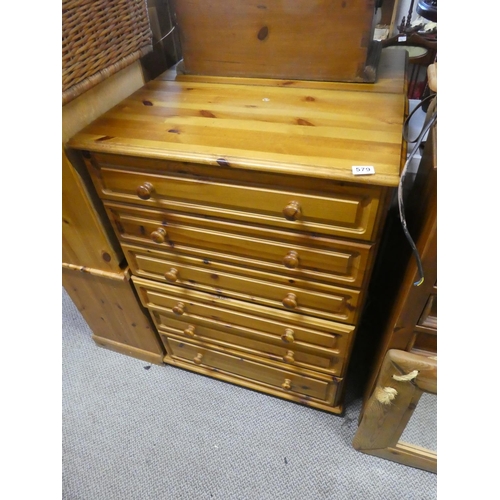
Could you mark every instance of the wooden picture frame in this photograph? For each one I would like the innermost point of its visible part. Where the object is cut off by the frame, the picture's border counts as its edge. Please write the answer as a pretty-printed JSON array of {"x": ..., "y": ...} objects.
[{"x": 403, "y": 378}]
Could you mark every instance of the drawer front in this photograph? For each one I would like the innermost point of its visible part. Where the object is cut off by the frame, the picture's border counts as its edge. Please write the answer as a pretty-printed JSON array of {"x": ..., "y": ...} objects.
[
  {"x": 329, "y": 302},
  {"x": 251, "y": 370},
  {"x": 318, "y": 206},
  {"x": 248, "y": 320},
  {"x": 260, "y": 346},
  {"x": 313, "y": 258}
]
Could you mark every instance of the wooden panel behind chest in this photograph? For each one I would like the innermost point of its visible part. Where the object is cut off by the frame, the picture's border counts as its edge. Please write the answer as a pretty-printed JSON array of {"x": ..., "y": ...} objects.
[{"x": 311, "y": 40}]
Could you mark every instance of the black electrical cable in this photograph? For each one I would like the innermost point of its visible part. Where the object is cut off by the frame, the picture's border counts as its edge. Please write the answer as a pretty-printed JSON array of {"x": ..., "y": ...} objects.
[
  {"x": 407, "y": 121},
  {"x": 427, "y": 125}
]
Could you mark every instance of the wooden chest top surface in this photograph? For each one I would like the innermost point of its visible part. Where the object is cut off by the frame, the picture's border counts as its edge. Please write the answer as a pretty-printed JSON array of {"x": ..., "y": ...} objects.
[{"x": 318, "y": 129}]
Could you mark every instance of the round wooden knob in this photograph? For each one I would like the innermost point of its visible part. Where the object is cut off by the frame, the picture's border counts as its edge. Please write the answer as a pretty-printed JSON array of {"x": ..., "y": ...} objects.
[
  {"x": 287, "y": 384},
  {"x": 288, "y": 357},
  {"x": 172, "y": 275},
  {"x": 178, "y": 309},
  {"x": 189, "y": 331},
  {"x": 291, "y": 259},
  {"x": 144, "y": 191},
  {"x": 290, "y": 301},
  {"x": 158, "y": 236},
  {"x": 288, "y": 336},
  {"x": 198, "y": 359},
  {"x": 292, "y": 211}
]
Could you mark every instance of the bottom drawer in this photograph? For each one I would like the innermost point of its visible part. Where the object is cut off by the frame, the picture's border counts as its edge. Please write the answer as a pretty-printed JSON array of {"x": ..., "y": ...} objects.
[{"x": 323, "y": 388}]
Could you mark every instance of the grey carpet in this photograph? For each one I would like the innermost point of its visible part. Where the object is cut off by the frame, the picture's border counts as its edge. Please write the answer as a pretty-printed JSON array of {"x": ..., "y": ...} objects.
[{"x": 132, "y": 431}]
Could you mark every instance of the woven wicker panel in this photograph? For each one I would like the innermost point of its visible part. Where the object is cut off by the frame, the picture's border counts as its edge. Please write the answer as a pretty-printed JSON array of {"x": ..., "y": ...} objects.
[{"x": 100, "y": 37}]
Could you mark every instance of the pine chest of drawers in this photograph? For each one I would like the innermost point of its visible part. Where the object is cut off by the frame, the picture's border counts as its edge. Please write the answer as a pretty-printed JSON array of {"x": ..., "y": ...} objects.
[{"x": 250, "y": 240}]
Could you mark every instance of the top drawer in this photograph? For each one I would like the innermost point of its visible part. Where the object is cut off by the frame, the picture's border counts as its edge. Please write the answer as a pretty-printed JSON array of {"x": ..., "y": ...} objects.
[{"x": 299, "y": 204}]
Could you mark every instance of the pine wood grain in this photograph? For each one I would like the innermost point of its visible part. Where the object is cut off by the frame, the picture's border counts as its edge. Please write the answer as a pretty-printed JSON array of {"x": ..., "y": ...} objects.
[
  {"x": 222, "y": 309},
  {"x": 320, "y": 40},
  {"x": 272, "y": 346},
  {"x": 334, "y": 389},
  {"x": 250, "y": 240},
  {"x": 111, "y": 309},
  {"x": 313, "y": 387},
  {"x": 389, "y": 78},
  {"x": 85, "y": 240},
  {"x": 332, "y": 260},
  {"x": 382, "y": 425},
  {"x": 283, "y": 356},
  {"x": 324, "y": 207},
  {"x": 328, "y": 302},
  {"x": 311, "y": 132}
]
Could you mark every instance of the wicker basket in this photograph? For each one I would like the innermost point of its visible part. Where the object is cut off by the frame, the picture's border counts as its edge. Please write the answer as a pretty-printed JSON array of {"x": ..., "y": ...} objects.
[{"x": 100, "y": 37}]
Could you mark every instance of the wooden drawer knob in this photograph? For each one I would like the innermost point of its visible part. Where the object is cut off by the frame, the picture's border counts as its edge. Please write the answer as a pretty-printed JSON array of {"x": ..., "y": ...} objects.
[
  {"x": 292, "y": 211},
  {"x": 178, "y": 309},
  {"x": 189, "y": 331},
  {"x": 291, "y": 259},
  {"x": 144, "y": 191},
  {"x": 158, "y": 236},
  {"x": 288, "y": 357},
  {"x": 198, "y": 359},
  {"x": 288, "y": 336},
  {"x": 287, "y": 384},
  {"x": 290, "y": 301},
  {"x": 172, "y": 275}
]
